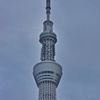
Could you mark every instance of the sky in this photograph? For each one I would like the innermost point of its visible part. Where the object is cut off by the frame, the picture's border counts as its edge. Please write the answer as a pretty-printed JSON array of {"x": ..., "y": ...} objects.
[{"x": 77, "y": 25}]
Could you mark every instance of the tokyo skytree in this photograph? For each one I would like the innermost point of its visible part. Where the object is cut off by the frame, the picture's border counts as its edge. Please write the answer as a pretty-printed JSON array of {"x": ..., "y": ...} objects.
[{"x": 47, "y": 72}]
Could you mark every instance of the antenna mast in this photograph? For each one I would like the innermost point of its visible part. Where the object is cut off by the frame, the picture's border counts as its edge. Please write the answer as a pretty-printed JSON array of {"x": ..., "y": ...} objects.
[{"x": 48, "y": 8}]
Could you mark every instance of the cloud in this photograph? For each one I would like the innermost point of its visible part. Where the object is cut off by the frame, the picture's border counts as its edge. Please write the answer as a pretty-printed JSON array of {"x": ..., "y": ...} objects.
[{"x": 76, "y": 23}]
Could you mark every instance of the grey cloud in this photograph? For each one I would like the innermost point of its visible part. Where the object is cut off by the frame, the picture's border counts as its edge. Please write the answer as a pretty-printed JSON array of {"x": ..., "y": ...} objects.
[{"x": 76, "y": 23}]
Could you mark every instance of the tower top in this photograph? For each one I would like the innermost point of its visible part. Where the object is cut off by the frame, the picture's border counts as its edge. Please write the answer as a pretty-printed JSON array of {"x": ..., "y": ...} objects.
[
  {"x": 48, "y": 8},
  {"x": 48, "y": 25}
]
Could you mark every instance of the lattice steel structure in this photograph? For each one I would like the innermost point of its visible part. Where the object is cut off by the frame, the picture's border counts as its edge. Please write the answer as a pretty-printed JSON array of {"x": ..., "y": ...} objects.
[{"x": 48, "y": 72}]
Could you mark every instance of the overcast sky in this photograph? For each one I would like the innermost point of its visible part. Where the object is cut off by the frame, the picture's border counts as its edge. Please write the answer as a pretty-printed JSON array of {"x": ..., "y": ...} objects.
[{"x": 77, "y": 25}]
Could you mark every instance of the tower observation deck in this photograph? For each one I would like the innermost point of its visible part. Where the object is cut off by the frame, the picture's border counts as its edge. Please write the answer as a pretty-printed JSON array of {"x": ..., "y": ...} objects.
[{"x": 48, "y": 72}]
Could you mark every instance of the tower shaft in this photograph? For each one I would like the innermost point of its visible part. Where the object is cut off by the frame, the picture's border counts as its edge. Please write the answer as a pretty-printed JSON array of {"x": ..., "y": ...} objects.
[{"x": 47, "y": 91}]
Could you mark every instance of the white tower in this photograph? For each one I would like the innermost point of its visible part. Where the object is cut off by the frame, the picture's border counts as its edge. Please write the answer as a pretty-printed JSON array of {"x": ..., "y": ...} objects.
[{"x": 47, "y": 73}]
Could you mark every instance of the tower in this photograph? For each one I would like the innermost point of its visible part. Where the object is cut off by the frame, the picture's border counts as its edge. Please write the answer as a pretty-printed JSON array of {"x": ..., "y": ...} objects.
[{"x": 48, "y": 72}]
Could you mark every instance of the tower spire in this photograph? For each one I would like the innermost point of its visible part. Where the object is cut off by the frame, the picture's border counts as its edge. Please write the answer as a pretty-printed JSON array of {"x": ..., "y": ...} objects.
[
  {"x": 48, "y": 8},
  {"x": 48, "y": 37},
  {"x": 48, "y": 25}
]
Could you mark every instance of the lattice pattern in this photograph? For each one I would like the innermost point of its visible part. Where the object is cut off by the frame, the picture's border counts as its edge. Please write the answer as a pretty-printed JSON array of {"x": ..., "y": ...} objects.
[
  {"x": 48, "y": 49},
  {"x": 47, "y": 91}
]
